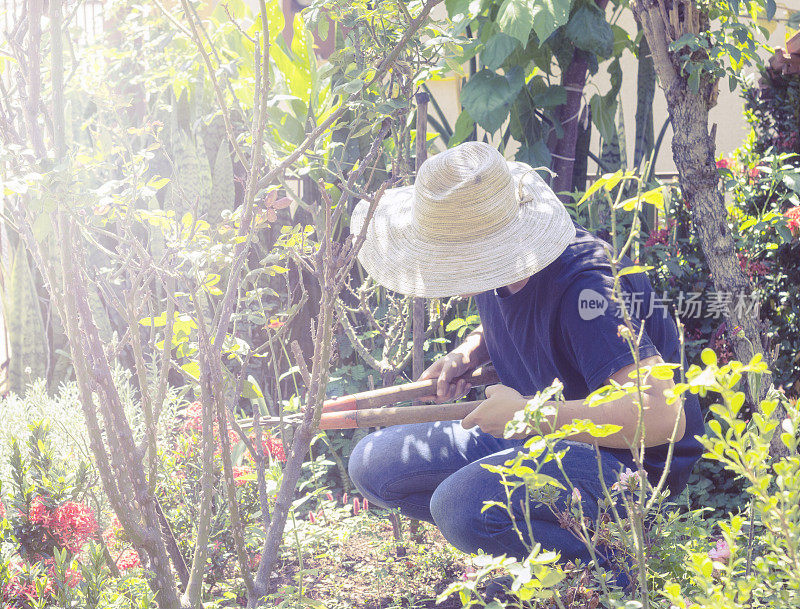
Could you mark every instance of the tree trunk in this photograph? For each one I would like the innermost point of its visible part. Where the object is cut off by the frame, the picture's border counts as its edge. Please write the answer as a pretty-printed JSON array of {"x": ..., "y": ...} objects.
[
  {"x": 693, "y": 149},
  {"x": 418, "y": 306},
  {"x": 563, "y": 150}
]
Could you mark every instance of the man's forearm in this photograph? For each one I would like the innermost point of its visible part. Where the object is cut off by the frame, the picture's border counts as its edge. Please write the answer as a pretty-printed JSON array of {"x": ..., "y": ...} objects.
[
  {"x": 658, "y": 420},
  {"x": 473, "y": 348}
]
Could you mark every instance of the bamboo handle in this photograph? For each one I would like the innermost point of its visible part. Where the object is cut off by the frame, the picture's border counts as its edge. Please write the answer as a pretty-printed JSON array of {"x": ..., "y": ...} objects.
[
  {"x": 398, "y": 415},
  {"x": 408, "y": 392}
]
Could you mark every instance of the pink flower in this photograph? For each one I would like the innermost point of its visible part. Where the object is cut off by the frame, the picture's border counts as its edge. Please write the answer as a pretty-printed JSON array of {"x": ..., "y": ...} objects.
[
  {"x": 754, "y": 172},
  {"x": 721, "y": 552},
  {"x": 365, "y": 504},
  {"x": 312, "y": 518},
  {"x": 356, "y": 506},
  {"x": 576, "y": 495},
  {"x": 329, "y": 496},
  {"x": 725, "y": 163},
  {"x": 344, "y": 499},
  {"x": 627, "y": 480}
]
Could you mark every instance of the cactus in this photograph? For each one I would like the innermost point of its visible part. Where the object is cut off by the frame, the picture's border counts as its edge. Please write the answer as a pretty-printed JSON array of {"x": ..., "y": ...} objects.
[
  {"x": 223, "y": 190},
  {"x": 24, "y": 325},
  {"x": 191, "y": 176},
  {"x": 213, "y": 135},
  {"x": 645, "y": 92}
]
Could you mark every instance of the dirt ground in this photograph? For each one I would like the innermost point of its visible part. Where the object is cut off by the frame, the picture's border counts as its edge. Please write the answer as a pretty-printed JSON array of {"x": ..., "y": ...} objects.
[{"x": 363, "y": 568}]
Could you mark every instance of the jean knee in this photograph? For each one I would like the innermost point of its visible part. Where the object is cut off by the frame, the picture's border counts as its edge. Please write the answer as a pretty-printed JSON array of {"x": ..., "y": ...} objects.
[
  {"x": 458, "y": 517},
  {"x": 357, "y": 465}
]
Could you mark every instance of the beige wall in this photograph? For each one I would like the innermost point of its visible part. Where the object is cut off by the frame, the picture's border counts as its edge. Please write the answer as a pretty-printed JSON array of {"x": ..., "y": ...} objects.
[{"x": 727, "y": 114}]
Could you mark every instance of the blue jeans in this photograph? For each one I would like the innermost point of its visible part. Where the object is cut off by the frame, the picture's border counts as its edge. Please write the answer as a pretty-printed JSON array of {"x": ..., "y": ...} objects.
[{"x": 432, "y": 472}]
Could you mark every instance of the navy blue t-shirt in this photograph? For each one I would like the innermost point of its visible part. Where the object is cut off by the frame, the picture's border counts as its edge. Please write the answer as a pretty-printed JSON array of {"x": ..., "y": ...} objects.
[{"x": 563, "y": 324}]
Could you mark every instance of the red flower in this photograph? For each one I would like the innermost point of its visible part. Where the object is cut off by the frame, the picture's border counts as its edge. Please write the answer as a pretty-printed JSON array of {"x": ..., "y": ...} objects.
[
  {"x": 725, "y": 163},
  {"x": 242, "y": 474},
  {"x": 128, "y": 559},
  {"x": 194, "y": 417},
  {"x": 754, "y": 173},
  {"x": 660, "y": 235},
  {"x": 274, "y": 447},
  {"x": 73, "y": 524},
  {"x": 792, "y": 216},
  {"x": 39, "y": 513},
  {"x": 752, "y": 267}
]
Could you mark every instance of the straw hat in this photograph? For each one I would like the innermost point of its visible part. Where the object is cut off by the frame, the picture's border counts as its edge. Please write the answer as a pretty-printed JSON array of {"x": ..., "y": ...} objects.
[{"x": 471, "y": 222}]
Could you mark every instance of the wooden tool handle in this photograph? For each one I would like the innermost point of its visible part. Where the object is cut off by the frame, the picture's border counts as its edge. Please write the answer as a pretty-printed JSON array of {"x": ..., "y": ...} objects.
[
  {"x": 374, "y": 417},
  {"x": 485, "y": 375}
]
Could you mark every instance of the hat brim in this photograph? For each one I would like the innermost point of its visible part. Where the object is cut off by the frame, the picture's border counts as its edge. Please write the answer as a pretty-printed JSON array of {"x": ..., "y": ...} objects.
[{"x": 398, "y": 257}]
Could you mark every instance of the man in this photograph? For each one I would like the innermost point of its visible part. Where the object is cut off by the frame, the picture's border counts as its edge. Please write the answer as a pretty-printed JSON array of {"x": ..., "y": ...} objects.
[{"x": 476, "y": 224}]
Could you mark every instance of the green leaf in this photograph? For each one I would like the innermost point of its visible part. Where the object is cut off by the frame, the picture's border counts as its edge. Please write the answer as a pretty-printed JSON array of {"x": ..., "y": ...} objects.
[
  {"x": 497, "y": 49},
  {"x": 554, "y": 95},
  {"x": 633, "y": 269},
  {"x": 455, "y": 325},
  {"x": 607, "y": 181},
  {"x": 589, "y": 30},
  {"x": 536, "y": 154},
  {"x": 792, "y": 180},
  {"x": 515, "y": 18},
  {"x": 549, "y": 15},
  {"x": 654, "y": 197},
  {"x": 709, "y": 357},
  {"x": 462, "y": 130},
  {"x": 622, "y": 40},
  {"x": 192, "y": 369},
  {"x": 157, "y": 183},
  {"x": 487, "y": 96},
  {"x": 664, "y": 371},
  {"x": 457, "y": 8}
]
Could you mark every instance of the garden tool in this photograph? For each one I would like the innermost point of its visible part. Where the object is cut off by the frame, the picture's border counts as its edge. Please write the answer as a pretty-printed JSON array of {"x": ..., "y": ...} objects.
[{"x": 365, "y": 409}]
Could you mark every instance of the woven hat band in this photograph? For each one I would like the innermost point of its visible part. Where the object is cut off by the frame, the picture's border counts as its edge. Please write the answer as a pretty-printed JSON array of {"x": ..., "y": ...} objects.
[{"x": 463, "y": 194}]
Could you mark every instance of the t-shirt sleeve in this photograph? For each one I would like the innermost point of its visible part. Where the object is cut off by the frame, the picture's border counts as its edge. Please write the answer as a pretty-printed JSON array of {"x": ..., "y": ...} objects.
[{"x": 589, "y": 324}]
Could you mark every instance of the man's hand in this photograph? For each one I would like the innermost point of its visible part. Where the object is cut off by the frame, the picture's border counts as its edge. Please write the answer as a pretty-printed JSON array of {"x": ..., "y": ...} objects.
[
  {"x": 461, "y": 360},
  {"x": 447, "y": 369},
  {"x": 496, "y": 410}
]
